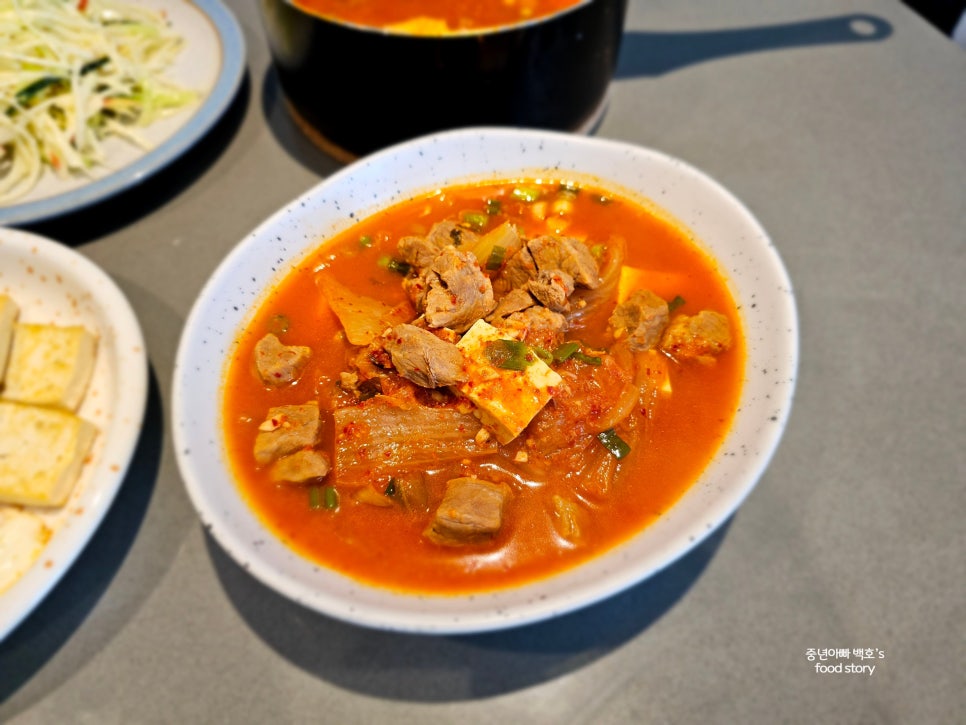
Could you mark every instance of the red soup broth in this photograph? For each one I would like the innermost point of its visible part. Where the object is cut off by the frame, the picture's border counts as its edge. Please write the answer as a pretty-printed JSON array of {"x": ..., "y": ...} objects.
[
  {"x": 384, "y": 546},
  {"x": 435, "y": 16}
]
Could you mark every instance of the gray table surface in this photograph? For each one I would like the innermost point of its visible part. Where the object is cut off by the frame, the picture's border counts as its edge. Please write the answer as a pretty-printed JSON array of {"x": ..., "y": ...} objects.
[{"x": 847, "y": 138}]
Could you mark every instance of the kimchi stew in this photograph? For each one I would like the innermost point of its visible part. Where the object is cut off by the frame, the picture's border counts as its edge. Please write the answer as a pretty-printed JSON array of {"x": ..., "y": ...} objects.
[
  {"x": 483, "y": 386},
  {"x": 435, "y": 17}
]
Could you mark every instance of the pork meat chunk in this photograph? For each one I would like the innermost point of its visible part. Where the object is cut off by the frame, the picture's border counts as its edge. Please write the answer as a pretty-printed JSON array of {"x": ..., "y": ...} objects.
[
  {"x": 471, "y": 511},
  {"x": 568, "y": 255},
  {"x": 303, "y": 465},
  {"x": 279, "y": 364},
  {"x": 421, "y": 357},
  {"x": 550, "y": 253},
  {"x": 552, "y": 288},
  {"x": 701, "y": 336},
  {"x": 286, "y": 429},
  {"x": 513, "y": 301},
  {"x": 457, "y": 292},
  {"x": 641, "y": 318},
  {"x": 421, "y": 251},
  {"x": 539, "y": 326}
]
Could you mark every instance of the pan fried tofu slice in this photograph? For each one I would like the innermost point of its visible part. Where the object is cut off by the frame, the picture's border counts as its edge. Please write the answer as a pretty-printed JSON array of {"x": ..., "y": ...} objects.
[
  {"x": 50, "y": 365},
  {"x": 22, "y": 537},
  {"x": 41, "y": 453},
  {"x": 8, "y": 316}
]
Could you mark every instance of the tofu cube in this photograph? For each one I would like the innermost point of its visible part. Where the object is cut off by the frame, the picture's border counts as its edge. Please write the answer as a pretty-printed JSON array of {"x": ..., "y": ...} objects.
[
  {"x": 41, "y": 453},
  {"x": 506, "y": 400},
  {"x": 50, "y": 365},
  {"x": 8, "y": 316}
]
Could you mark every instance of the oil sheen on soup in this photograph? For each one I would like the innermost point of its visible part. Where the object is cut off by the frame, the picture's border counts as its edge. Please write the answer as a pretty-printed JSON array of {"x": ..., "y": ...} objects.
[
  {"x": 435, "y": 17},
  {"x": 483, "y": 386}
]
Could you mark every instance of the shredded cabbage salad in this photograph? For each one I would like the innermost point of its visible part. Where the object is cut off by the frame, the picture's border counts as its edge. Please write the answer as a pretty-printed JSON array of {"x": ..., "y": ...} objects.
[{"x": 74, "y": 73}]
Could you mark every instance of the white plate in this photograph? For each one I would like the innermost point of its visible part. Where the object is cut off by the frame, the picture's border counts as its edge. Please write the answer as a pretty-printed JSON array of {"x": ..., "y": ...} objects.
[
  {"x": 212, "y": 63},
  {"x": 720, "y": 222},
  {"x": 53, "y": 284}
]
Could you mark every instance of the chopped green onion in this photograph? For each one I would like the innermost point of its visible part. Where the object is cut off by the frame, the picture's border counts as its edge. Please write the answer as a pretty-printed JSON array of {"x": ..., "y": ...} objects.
[
  {"x": 365, "y": 241},
  {"x": 279, "y": 324},
  {"x": 528, "y": 194},
  {"x": 565, "y": 351},
  {"x": 330, "y": 498},
  {"x": 26, "y": 94},
  {"x": 568, "y": 189},
  {"x": 598, "y": 250},
  {"x": 475, "y": 220},
  {"x": 93, "y": 65},
  {"x": 572, "y": 350},
  {"x": 675, "y": 303},
  {"x": 315, "y": 497},
  {"x": 543, "y": 353},
  {"x": 614, "y": 443},
  {"x": 395, "y": 265},
  {"x": 391, "y": 488},
  {"x": 508, "y": 354},
  {"x": 493, "y": 206},
  {"x": 495, "y": 260}
]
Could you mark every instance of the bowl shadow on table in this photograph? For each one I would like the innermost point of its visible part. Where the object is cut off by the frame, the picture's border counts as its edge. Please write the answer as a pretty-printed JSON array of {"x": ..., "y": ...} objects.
[
  {"x": 646, "y": 54},
  {"x": 293, "y": 139},
  {"x": 425, "y": 668},
  {"x": 154, "y": 191},
  {"x": 63, "y": 612}
]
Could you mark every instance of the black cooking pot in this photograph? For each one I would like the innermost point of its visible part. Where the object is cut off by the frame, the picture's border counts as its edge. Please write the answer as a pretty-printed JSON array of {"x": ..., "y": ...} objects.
[{"x": 355, "y": 89}]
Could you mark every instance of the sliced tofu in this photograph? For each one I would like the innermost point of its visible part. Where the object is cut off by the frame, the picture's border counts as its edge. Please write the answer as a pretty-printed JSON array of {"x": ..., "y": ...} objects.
[
  {"x": 22, "y": 537},
  {"x": 50, "y": 365},
  {"x": 506, "y": 400},
  {"x": 8, "y": 316},
  {"x": 41, "y": 453}
]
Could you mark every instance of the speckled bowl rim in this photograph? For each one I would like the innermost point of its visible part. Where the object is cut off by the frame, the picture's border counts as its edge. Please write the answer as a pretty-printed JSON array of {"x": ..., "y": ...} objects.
[{"x": 722, "y": 225}]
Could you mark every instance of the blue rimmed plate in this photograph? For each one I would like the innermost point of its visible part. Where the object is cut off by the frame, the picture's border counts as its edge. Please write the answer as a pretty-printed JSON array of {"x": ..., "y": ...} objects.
[{"x": 212, "y": 63}]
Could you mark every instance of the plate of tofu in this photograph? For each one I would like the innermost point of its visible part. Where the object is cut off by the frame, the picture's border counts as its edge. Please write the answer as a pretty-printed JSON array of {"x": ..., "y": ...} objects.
[{"x": 73, "y": 390}]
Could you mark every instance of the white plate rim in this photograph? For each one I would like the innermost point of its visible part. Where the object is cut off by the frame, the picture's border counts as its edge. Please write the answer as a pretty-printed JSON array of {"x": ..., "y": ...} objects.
[
  {"x": 619, "y": 569},
  {"x": 215, "y": 104},
  {"x": 117, "y": 449}
]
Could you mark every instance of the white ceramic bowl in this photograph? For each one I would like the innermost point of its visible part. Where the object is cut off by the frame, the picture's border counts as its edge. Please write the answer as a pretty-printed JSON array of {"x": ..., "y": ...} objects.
[{"x": 720, "y": 222}]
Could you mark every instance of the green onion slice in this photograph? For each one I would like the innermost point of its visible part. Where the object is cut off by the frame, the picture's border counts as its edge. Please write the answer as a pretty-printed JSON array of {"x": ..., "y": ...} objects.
[
  {"x": 572, "y": 350},
  {"x": 493, "y": 206},
  {"x": 528, "y": 194},
  {"x": 614, "y": 443},
  {"x": 315, "y": 497},
  {"x": 395, "y": 265},
  {"x": 330, "y": 498},
  {"x": 497, "y": 254},
  {"x": 565, "y": 351},
  {"x": 475, "y": 220},
  {"x": 508, "y": 354},
  {"x": 675, "y": 303}
]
